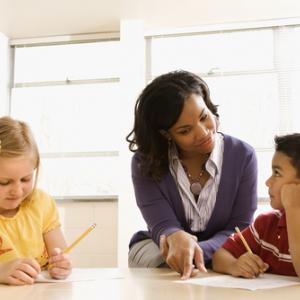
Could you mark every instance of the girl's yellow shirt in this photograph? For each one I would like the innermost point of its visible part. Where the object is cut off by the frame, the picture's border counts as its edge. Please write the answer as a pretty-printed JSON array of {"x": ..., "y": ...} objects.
[{"x": 21, "y": 236}]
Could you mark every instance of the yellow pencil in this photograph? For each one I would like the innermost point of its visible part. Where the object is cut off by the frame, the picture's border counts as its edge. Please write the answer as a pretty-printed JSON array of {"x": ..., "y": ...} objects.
[
  {"x": 76, "y": 242},
  {"x": 80, "y": 238},
  {"x": 243, "y": 240}
]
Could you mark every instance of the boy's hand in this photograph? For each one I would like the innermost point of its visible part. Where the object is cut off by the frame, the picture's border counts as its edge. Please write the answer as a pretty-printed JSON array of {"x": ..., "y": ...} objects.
[
  {"x": 249, "y": 266},
  {"x": 19, "y": 271},
  {"x": 290, "y": 196},
  {"x": 60, "y": 265}
]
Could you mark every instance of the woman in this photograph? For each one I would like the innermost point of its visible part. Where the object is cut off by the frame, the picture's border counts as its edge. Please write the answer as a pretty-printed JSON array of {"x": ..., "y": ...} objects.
[{"x": 192, "y": 184}]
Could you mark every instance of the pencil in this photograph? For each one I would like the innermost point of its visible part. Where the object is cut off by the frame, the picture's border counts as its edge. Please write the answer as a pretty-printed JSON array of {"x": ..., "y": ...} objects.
[
  {"x": 68, "y": 249},
  {"x": 80, "y": 238},
  {"x": 243, "y": 240}
]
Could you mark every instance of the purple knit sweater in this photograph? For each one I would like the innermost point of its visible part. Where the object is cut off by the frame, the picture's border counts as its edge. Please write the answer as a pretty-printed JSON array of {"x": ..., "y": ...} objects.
[{"x": 161, "y": 205}]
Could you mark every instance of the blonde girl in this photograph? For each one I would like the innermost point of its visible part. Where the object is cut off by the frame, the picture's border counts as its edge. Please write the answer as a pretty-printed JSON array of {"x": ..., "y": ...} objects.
[{"x": 30, "y": 233}]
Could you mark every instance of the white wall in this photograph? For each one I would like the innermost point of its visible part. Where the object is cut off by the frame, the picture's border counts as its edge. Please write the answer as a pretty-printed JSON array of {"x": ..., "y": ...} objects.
[
  {"x": 4, "y": 74},
  {"x": 132, "y": 81}
]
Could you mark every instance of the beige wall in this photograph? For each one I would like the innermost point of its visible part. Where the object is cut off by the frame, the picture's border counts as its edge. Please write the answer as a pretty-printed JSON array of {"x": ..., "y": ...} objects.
[
  {"x": 170, "y": 13},
  {"x": 99, "y": 248},
  {"x": 35, "y": 18}
]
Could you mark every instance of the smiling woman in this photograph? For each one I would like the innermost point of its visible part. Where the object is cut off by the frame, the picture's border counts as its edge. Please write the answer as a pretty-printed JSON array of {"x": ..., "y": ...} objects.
[{"x": 177, "y": 145}]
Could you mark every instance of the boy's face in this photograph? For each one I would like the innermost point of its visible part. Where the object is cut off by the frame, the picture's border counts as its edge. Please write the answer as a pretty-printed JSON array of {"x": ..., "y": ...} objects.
[{"x": 282, "y": 173}]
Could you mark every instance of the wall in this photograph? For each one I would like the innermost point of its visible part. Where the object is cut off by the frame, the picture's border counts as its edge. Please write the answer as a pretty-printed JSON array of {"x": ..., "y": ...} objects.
[
  {"x": 99, "y": 248},
  {"x": 4, "y": 74}
]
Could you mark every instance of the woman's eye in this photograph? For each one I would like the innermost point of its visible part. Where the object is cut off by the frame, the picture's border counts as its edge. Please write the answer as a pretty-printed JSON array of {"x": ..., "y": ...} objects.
[
  {"x": 183, "y": 132},
  {"x": 4, "y": 183},
  {"x": 203, "y": 117}
]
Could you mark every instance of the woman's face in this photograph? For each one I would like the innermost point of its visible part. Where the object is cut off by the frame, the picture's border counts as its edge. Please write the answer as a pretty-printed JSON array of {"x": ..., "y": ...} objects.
[{"x": 194, "y": 131}]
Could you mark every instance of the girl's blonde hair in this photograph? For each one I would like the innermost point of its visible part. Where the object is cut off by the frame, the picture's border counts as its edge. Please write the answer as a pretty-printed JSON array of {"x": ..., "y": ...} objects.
[{"x": 16, "y": 139}]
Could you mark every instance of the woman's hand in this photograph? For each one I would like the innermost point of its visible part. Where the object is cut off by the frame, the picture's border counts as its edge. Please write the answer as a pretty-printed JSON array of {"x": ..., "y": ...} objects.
[
  {"x": 248, "y": 265},
  {"x": 182, "y": 253},
  {"x": 60, "y": 265},
  {"x": 19, "y": 271}
]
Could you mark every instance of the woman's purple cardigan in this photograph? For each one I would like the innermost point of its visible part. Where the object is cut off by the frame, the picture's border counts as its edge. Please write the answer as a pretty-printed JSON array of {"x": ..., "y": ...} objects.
[{"x": 161, "y": 205}]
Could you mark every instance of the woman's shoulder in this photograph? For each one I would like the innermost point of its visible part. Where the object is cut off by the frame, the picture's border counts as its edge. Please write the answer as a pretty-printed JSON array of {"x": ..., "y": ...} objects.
[{"x": 236, "y": 145}]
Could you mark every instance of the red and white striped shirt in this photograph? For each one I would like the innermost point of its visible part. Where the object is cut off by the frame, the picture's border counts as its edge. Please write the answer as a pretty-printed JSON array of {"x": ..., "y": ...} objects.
[{"x": 267, "y": 238}]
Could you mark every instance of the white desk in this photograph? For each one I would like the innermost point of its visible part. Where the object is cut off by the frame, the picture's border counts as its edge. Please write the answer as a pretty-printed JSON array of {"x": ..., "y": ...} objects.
[{"x": 140, "y": 284}]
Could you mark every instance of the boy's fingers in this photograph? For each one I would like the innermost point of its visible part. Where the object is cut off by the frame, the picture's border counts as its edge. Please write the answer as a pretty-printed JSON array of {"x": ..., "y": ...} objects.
[
  {"x": 247, "y": 272},
  {"x": 266, "y": 267}
]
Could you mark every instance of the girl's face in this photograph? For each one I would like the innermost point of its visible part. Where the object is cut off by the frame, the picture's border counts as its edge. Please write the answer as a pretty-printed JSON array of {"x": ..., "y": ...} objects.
[
  {"x": 16, "y": 182},
  {"x": 194, "y": 131},
  {"x": 282, "y": 173}
]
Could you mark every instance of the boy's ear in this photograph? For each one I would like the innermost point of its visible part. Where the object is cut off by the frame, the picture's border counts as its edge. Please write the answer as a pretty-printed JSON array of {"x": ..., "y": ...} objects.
[{"x": 165, "y": 134}]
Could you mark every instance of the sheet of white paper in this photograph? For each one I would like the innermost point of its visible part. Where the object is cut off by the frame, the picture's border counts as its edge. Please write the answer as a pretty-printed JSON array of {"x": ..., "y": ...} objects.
[
  {"x": 264, "y": 281},
  {"x": 86, "y": 274}
]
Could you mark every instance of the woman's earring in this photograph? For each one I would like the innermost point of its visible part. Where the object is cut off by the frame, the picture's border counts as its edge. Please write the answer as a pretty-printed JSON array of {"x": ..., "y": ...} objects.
[{"x": 217, "y": 123}]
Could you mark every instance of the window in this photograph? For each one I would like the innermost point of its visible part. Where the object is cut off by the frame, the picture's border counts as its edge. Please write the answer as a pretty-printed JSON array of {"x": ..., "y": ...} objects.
[
  {"x": 253, "y": 75},
  {"x": 69, "y": 95}
]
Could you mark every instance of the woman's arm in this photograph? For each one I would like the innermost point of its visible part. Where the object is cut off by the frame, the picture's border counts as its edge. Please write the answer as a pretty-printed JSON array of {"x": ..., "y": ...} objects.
[
  {"x": 157, "y": 202},
  {"x": 59, "y": 262}
]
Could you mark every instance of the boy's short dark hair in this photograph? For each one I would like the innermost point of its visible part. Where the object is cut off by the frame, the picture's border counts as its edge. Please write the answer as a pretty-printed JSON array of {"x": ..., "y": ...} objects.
[{"x": 290, "y": 145}]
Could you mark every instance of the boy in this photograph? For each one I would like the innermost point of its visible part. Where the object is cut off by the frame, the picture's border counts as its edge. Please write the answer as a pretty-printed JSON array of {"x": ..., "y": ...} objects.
[{"x": 274, "y": 237}]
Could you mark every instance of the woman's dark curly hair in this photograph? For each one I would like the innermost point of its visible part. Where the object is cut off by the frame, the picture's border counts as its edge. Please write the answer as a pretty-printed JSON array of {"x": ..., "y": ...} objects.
[{"x": 158, "y": 108}]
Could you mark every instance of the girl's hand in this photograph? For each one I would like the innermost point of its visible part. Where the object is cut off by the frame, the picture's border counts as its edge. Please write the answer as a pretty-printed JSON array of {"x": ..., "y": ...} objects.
[
  {"x": 249, "y": 266},
  {"x": 19, "y": 271},
  {"x": 182, "y": 253},
  {"x": 60, "y": 265}
]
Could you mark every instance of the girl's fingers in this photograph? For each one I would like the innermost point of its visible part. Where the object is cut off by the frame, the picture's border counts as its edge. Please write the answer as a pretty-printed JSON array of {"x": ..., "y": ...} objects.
[
  {"x": 15, "y": 281},
  {"x": 59, "y": 273},
  {"x": 32, "y": 269},
  {"x": 63, "y": 264},
  {"x": 22, "y": 277}
]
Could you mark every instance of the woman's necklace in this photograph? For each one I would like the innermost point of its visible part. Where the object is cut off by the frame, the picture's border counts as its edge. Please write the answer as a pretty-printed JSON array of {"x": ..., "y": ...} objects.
[{"x": 195, "y": 186}]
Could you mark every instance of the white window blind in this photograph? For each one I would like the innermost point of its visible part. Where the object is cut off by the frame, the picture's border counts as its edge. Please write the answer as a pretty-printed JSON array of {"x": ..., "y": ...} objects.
[
  {"x": 253, "y": 75},
  {"x": 69, "y": 94}
]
